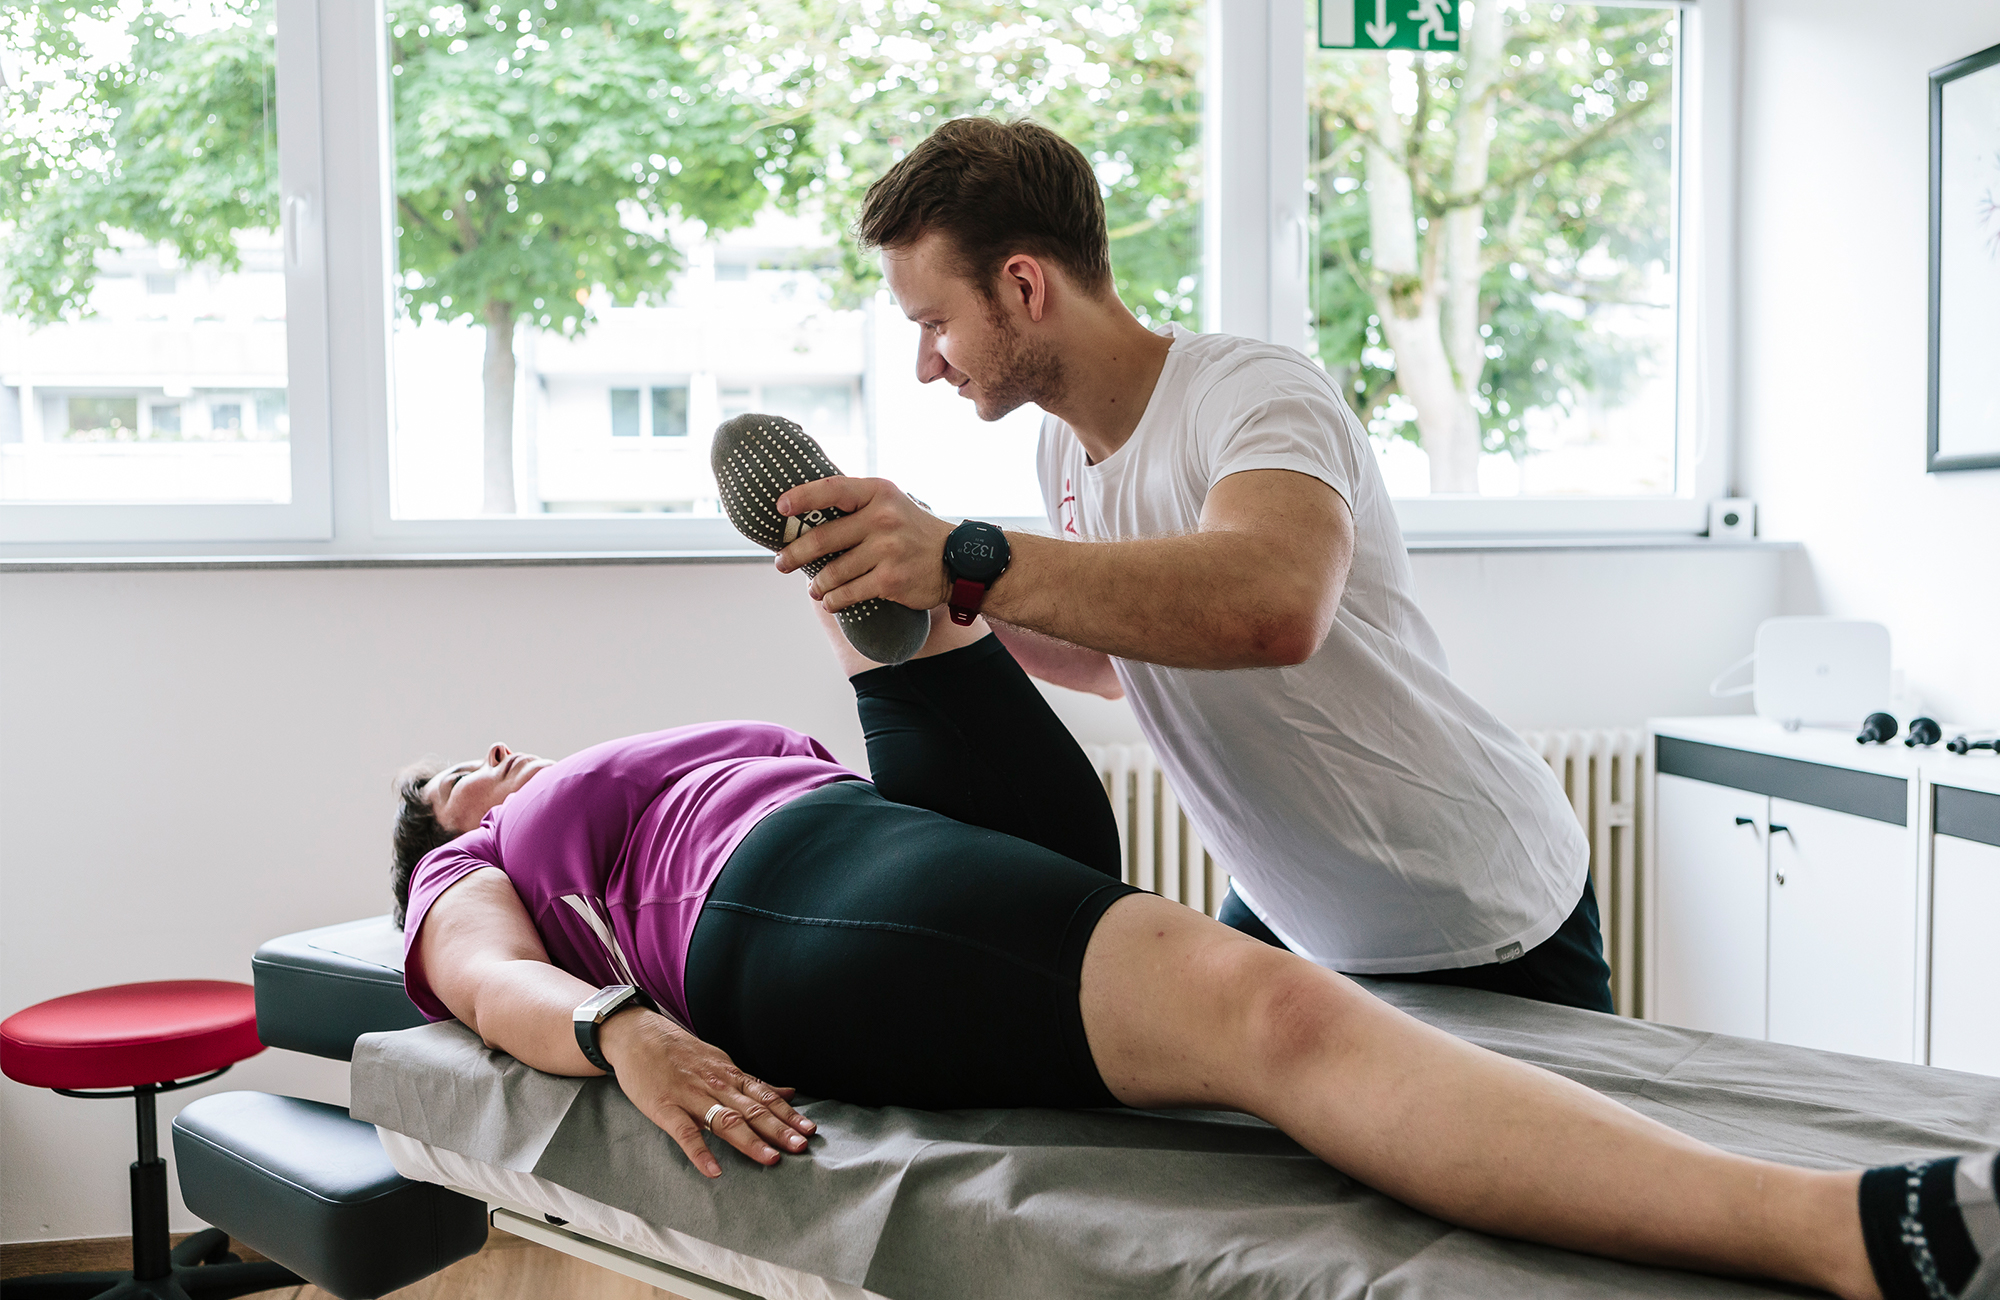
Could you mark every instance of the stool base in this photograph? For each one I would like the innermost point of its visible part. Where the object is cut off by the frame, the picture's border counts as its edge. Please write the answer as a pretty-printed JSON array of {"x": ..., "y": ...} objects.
[
  {"x": 215, "y": 1282},
  {"x": 202, "y": 1268}
]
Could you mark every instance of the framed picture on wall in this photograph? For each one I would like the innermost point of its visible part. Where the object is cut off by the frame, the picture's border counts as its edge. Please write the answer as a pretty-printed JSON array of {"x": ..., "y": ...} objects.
[{"x": 1965, "y": 264}]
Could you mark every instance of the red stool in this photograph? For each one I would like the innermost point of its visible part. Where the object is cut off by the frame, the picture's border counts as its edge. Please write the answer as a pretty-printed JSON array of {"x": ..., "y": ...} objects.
[{"x": 137, "y": 1040}]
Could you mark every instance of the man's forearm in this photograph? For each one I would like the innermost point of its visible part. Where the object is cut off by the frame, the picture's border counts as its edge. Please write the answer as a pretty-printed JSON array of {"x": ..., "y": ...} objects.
[
  {"x": 1256, "y": 586},
  {"x": 1200, "y": 600}
]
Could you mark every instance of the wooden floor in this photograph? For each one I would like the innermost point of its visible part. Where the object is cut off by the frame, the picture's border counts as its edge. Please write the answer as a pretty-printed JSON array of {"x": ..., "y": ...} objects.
[
  {"x": 512, "y": 1269},
  {"x": 508, "y": 1268}
]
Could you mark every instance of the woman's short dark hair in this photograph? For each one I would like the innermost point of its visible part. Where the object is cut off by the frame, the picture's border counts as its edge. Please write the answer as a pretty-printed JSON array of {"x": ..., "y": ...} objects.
[
  {"x": 417, "y": 831},
  {"x": 994, "y": 189}
]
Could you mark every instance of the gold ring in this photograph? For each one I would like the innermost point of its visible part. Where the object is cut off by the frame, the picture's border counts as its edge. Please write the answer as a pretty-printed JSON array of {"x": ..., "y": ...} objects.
[{"x": 708, "y": 1120}]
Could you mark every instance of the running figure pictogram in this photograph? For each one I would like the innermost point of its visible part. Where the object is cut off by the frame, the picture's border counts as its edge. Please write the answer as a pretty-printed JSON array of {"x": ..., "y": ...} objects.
[{"x": 1430, "y": 16}]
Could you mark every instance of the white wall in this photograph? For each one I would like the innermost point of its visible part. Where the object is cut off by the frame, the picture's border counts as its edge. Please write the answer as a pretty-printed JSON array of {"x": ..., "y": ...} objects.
[
  {"x": 195, "y": 762},
  {"x": 1834, "y": 284}
]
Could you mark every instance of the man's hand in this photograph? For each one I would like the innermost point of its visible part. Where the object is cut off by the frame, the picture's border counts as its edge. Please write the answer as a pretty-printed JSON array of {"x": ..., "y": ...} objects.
[
  {"x": 894, "y": 547},
  {"x": 674, "y": 1079}
]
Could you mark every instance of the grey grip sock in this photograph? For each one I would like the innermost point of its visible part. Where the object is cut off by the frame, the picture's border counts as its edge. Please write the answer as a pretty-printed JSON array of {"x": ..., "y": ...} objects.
[{"x": 759, "y": 458}]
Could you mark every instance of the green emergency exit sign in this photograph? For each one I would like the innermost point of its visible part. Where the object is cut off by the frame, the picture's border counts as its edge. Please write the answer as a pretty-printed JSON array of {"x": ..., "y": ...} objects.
[{"x": 1388, "y": 24}]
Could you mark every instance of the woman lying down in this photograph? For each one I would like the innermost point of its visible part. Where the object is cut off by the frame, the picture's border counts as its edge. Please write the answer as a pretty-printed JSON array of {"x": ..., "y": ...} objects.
[{"x": 954, "y": 934}]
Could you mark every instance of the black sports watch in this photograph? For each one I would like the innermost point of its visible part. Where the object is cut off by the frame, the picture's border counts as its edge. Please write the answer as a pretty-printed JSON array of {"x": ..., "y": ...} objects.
[
  {"x": 593, "y": 1011},
  {"x": 975, "y": 555}
]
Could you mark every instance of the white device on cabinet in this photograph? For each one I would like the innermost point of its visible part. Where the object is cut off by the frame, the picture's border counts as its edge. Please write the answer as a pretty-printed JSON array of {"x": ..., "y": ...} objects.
[{"x": 1821, "y": 672}]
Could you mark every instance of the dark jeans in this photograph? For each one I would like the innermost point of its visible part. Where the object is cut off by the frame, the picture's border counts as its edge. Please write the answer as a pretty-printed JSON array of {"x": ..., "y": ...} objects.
[{"x": 1567, "y": 968}]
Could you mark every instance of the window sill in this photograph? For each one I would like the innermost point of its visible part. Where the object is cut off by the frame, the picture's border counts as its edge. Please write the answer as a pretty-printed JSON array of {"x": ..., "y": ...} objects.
[
  {"x": 467, "y": 560},
  {"x": 557, "y": 559},
  {"x": 1667, "y": 542}
]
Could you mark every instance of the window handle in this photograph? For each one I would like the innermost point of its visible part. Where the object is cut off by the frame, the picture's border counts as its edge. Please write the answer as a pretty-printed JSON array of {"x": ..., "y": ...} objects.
[{"x": 292, "y": 215}]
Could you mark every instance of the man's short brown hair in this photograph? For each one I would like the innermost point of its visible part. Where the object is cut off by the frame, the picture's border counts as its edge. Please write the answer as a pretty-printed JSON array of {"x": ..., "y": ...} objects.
[{"x": 994, "y": 189}]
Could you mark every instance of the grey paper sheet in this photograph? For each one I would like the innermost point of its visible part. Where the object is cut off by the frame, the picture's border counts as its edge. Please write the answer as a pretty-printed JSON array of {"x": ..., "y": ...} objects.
[{"x": 985, "y": 1204}]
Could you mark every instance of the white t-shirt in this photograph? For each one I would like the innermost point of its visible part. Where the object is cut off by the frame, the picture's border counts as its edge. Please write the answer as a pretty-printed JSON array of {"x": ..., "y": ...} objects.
[{"x": 1372, "y": 813}]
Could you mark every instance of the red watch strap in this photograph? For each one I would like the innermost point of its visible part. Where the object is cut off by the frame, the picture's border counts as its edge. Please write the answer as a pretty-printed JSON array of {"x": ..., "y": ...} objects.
[{"x": 966, "y": 598}]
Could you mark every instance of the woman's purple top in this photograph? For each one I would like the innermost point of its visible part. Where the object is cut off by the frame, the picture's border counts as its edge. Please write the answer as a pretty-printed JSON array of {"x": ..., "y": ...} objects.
[{"x": 613, "y": 849}]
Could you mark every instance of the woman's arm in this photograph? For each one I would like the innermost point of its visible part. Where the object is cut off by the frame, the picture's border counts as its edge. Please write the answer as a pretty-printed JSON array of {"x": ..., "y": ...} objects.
[
  {"x": 479, "y": 950},
  {"x": 1059, "y": 663}
]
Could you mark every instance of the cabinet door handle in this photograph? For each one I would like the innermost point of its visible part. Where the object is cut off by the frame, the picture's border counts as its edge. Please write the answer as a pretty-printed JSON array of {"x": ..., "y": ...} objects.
[
  {"x": 1746, "y": 821},
  {"x": 1781, "y": 877},
  {"x": 1780, "y": 830}
]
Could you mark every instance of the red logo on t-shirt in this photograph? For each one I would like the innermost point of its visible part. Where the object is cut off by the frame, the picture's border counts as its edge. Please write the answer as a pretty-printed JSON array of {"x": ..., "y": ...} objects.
[{"x": 1066, "y": 509}]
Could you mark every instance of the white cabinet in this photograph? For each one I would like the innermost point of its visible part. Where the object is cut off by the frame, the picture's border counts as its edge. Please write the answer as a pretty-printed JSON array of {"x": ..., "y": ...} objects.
[
  {"x": 1965, "y": 924},
  {"x": 1809, "y": 890},
  {"x": 1712, "y": 907},
  {"x": 1843, "y": 945},
  {"x": 1785, "y": 889}
]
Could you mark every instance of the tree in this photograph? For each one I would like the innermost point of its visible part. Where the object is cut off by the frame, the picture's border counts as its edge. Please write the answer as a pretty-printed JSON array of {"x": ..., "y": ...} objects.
[
  {"x": 172, "y": 140},
  {"x": 854, "y": 88},
  {"x": 1460, "y": 210},
  {"x": 540, "y": 155},
  {"x": 541, "y": 151}
]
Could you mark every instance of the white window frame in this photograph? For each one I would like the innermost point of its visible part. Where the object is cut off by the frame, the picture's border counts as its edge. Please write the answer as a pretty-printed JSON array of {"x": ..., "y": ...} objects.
[
  {"x": 1257, "y": 246},
  {"x": 307, "y": 517},
  {"x": 338, "y": 216}
]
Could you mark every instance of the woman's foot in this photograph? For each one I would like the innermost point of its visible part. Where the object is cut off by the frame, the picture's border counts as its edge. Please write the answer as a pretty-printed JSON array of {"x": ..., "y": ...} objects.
[
  {"x": 944, "y": 635},
  {"x": 759, "y": 458},
  {"x": 1933, "y": 1228}
]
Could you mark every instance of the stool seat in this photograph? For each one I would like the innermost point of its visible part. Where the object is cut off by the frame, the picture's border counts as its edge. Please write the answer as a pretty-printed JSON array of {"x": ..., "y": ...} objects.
[{"x": 128, "y": 1035}]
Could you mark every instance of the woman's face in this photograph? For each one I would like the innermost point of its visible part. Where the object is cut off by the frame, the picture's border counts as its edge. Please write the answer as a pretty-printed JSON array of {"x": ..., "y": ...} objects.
[{"x": 465, "y": 792}]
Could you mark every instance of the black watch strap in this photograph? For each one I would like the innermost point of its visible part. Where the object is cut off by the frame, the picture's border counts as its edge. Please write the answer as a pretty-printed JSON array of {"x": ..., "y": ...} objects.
[{"x": 593, "y": 1011}]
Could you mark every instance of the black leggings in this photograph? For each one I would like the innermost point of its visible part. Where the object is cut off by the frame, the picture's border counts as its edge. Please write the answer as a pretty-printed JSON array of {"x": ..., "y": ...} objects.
[{"x": 918, "y": 941}]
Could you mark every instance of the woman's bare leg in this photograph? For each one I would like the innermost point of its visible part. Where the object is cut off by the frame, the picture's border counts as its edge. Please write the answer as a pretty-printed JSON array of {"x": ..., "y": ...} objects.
[
  {"x": 1183, "y": 1011},
  {"x": 945, "y": 635}
]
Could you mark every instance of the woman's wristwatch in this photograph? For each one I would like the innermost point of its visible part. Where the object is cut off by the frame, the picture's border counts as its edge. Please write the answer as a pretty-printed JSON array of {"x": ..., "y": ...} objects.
[
  {"x": 975, "y": 555},
  {"x": 593, "y": 1011}
]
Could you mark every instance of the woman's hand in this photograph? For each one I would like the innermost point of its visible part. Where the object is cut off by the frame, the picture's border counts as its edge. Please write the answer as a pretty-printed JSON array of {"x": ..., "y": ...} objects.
[{"x": 674, "y": 1079}]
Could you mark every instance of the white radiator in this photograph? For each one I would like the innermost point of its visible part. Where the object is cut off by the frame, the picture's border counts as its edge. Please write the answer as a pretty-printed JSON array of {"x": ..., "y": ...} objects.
[
  {"x": 1602, "y": 773},
  {"x": 1162, "y": 851}
]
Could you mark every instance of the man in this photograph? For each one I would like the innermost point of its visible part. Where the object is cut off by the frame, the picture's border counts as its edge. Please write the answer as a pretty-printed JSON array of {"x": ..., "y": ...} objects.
[{"x": 1219, "y": 509}]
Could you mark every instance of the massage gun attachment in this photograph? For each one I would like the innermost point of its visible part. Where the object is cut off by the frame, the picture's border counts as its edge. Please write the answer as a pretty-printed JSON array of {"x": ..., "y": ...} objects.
[
  {"x": 1923, "y": 731},
  {"x": 759, "y": 458},
  {"x": 1963, "y": 745},
  {"x": 1880, "y": 729}
]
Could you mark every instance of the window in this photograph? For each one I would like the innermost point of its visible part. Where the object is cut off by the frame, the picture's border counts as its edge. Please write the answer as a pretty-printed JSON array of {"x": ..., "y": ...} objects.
[
  {"x": 144, "y": 336},
  {"x": 624, "y": 412},
  {"x": 670, "y": 413},
  {"x": 697, "y": 219},
  {"x": 1494, "y": 274},
  {"x": 665, "y": 412},
  {"x": 510, "y": 255}
]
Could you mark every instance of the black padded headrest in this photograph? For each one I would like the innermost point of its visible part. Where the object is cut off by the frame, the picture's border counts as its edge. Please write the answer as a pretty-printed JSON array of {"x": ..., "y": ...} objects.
[{"x": 319, "y": 990}]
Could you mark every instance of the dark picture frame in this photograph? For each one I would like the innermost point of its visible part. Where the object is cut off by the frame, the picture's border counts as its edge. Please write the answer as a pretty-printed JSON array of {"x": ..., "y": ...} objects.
[{"x": 1941, "y": 454}]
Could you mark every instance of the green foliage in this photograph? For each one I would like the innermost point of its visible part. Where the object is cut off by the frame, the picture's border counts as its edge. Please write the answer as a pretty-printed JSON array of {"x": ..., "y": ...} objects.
[
  {"x": 855, "y": 86},
  {"x": 175, "y": 141},
  {"x": 1575, "y": 208},
  {"x": 543, "y": 148}
]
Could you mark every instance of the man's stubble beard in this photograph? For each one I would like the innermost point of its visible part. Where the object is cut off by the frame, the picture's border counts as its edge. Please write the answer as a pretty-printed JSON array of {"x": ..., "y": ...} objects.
[{"x": 1023, "y": 372}]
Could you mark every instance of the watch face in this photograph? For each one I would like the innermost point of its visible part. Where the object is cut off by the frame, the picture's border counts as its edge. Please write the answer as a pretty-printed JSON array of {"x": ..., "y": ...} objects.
[{"x": 977, "y": 551}]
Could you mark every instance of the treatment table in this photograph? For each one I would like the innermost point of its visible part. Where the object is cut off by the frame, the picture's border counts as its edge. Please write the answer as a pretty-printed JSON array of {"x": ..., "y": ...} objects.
[{"x": 955, "y": 1205}]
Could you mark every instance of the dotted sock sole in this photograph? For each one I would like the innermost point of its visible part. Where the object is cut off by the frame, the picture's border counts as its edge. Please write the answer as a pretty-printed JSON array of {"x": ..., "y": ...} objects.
[{"x": 757, "y": 459}]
